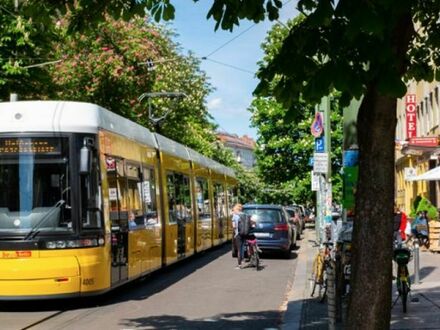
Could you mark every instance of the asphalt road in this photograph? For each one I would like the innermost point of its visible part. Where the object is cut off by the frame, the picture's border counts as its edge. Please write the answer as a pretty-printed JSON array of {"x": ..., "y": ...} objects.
[{"x": 205, "y": 292}]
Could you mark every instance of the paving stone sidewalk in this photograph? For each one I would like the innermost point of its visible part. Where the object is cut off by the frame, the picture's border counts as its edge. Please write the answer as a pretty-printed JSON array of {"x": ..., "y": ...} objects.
[{"x": 305, "y": 312}]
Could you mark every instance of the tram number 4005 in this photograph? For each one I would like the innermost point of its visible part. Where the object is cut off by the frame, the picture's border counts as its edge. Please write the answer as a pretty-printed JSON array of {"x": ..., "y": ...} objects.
[{"x": 88, "y": 281}]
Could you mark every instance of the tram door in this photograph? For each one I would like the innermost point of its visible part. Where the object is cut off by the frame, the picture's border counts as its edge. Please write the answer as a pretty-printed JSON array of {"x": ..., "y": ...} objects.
[{"x": 117, "y": 183}]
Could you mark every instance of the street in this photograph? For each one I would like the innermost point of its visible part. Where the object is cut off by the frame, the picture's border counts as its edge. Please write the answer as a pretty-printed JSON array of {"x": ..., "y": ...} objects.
[{"x": 205, "y": 291}]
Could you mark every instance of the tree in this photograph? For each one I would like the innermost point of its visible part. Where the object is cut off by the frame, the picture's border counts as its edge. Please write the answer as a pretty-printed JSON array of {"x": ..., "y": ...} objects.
[
  {"x": 284, "y": 148},
  {"x": 21, "y": 44},
  {"x": 28, "y": 31},
  {"x": 108, "y": 66},
  {"x": 284, "y": 144},
  {"x": 358, "y": 48}
]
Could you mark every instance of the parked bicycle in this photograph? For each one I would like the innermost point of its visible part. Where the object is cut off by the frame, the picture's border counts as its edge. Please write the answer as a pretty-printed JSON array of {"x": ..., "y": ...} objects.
[
  {"x": 321, "y": 265},
  {"x": 402, "y": 256}
]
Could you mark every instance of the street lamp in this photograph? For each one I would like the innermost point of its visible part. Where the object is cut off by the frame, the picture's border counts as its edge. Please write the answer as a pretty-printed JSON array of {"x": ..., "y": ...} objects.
[{"x": 176, "y": 96}]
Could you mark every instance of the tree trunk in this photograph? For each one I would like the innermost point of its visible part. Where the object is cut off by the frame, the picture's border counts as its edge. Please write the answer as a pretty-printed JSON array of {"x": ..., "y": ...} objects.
[{"x": 370, "y": 300}]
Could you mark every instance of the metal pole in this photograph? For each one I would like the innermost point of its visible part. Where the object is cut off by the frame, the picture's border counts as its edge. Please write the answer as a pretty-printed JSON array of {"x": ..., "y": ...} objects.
[{"x": 416, "y": 263}]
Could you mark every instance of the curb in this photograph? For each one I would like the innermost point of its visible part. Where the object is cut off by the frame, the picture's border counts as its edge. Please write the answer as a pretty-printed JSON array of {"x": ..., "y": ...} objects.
[{"x": 297, "y": 294}]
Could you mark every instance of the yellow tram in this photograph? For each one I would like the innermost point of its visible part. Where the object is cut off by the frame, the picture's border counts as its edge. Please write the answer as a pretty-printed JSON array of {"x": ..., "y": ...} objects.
[{"x": 90, "y": 200}]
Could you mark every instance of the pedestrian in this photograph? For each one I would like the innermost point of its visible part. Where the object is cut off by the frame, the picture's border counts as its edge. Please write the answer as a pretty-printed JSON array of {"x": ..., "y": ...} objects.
[
  {"x": 131, "y": 220},
  {"x": 400, "y": 221},
  {"x": 238, "y": 240},
  {"x": 420, "y": 228}
]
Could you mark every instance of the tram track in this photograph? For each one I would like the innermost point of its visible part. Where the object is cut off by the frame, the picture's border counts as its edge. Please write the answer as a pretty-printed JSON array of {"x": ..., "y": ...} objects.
[{"x": 30, "y": 326}]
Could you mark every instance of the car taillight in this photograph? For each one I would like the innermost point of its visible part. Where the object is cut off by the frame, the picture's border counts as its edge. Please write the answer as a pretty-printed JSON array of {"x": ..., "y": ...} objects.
[{"x": 282, "y": 227}]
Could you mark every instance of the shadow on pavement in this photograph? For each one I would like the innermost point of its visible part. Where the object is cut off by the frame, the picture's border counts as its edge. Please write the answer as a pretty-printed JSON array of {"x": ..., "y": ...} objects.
[
  {"x": 423, "y": 312},
  {"x": 136, "y": 290},
  {"x": 249, "y": 320}
]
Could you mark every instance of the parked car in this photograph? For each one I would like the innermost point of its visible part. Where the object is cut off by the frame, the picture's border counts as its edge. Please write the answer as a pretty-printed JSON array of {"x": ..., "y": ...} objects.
[
  {"x": 295, "y": 220},
  {"x": 272, "y": 229},
  {"x": 303, "y": 214}
]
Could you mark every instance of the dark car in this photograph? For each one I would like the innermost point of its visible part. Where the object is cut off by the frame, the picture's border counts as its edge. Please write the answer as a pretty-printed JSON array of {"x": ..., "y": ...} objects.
[
  {"x": 296, "y": 220},
  {"x": 272, "y": 229}
]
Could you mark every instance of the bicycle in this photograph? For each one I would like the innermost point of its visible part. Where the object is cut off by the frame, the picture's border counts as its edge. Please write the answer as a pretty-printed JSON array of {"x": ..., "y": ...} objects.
[
  {"x": 253, "y": 251},
  {"x": 402, "y": 256},
  {"x": 321, "y": 264}
]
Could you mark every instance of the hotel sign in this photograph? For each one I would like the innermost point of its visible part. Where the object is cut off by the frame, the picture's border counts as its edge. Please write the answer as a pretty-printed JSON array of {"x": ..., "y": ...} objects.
[
  {"x": 411, "y": 116},
  {"x": 424, "y": 141}
]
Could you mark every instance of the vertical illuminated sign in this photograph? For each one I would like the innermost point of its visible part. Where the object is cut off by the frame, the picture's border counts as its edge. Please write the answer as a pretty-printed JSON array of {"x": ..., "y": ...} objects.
[{"x": 411, "y": 116}]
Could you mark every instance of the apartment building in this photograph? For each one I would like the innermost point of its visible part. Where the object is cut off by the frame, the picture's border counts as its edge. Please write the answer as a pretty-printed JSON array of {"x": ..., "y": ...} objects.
[
  {"x": 242, "y": 147},
  {"x": 417, "y": 143}
]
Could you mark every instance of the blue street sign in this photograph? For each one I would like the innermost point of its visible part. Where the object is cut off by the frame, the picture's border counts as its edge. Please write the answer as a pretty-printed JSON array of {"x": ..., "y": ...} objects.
[
  {"x": 319, "y": 144},
  {"x": 311, "y": 161}
]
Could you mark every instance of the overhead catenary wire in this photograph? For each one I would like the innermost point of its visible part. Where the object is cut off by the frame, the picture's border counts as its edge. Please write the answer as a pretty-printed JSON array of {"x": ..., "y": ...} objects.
[
  {"x": 231, "y": 40},
  {"x": 228, "y": 65}
]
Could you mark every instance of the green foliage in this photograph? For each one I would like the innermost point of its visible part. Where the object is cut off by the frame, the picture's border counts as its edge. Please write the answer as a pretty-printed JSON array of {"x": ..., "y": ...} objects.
[
  {"x": 249, "y": 185},
  {"x": 425, "y": 205},
  {"x": 21, "y": 44},
  {"x": 284, "y": 144}
]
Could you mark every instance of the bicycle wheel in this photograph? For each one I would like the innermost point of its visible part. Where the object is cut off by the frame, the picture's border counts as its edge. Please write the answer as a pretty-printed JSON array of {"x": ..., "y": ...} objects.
[
  {"x": 252, "y": 260},
  {"x": 322, "y": 293},
  {"x": 404, "y": 294}
]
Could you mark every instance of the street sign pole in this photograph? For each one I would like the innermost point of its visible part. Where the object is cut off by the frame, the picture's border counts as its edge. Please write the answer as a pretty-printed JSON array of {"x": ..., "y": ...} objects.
[
  {"x": 325, "y": 108},
  {"x": 321, "y": 130}
]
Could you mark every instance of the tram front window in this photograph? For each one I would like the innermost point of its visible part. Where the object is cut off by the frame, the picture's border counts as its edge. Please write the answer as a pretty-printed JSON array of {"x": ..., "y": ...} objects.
[{"x": 34, "y": 185}]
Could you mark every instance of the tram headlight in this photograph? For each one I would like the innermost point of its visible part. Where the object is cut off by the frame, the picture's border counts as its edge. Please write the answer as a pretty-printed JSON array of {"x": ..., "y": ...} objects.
[
  {"x": 72, "y": 244},
  {"x": 51, "y": 245},
  {"x": 61, "y": 244}
]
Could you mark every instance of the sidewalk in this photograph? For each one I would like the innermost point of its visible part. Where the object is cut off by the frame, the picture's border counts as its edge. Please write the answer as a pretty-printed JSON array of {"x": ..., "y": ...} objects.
[{"x": 304, "y": 312}]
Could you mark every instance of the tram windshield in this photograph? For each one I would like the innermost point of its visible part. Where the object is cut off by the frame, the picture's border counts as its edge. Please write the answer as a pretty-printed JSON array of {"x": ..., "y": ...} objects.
[{"x": 34, "y": 185}]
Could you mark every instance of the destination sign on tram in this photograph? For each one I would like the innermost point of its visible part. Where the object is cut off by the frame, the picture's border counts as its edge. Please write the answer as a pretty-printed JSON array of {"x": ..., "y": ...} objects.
[{"x": 30, "y": 146}]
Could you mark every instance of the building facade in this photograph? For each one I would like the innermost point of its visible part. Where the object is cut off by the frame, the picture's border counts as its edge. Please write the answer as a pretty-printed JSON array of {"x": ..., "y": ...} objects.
[
  {"x": 242, "y": 147},
  {"x": 417, "y": 147}
]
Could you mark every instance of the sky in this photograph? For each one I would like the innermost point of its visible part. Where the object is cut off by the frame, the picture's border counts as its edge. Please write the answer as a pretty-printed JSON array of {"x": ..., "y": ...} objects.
[{"x": 232, "y": 97}]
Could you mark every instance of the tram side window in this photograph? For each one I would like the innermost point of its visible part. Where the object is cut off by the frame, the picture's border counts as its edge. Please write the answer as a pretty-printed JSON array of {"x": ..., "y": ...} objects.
[
  {"x": 117, "y": 195},
  {"x": 203, "y": 202},
  {"x": 179, "y": 197},
  {"x": 183, "y": 197},
  {"x": 171, "y": 191},
  {"x": 91, "y": 198},
  {"x": 149, "y": 197},
  {"x": 134, "y": 195},
  {"x": 219, "y": 201}
]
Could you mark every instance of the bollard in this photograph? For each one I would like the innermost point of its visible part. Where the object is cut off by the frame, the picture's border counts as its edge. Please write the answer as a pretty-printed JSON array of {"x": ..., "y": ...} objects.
[{"x": 416, "y": 263}]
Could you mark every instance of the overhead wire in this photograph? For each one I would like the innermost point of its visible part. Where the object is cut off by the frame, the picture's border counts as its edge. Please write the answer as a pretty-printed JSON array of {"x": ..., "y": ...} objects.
[
  {"x": 228, "y": 65},
  {"x": 206, "y": 57}
]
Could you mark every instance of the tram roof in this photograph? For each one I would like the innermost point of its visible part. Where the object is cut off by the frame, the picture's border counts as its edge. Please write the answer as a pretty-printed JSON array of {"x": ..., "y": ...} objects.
[
  {"x": 82, "y": 117},
  {"x": 68, "y": 116},
  {"x": 176, "y": 149}
]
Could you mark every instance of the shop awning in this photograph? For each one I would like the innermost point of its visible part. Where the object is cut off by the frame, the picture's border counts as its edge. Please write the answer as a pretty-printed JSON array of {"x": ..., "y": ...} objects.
[{"x": 431, "y": 175}]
